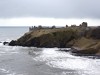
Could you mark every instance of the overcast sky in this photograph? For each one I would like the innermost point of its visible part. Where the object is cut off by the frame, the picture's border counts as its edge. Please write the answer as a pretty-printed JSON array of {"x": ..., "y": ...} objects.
[{"x": 15, "y": 12}]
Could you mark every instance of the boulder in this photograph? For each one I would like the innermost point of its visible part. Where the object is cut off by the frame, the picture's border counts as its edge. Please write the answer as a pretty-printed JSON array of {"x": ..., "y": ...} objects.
[
  {"x": 5, "y": 43},
  {"x": 12, "y": 43}
]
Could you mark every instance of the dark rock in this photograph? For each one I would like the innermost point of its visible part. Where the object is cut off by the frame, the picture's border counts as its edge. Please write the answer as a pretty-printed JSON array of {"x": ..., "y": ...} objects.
[
  {"x": 89, "y": 51},
  {"x": 12, "y": 43},
  {"x": 73, "y": 50},
  {"x": 5, "y": 43}
]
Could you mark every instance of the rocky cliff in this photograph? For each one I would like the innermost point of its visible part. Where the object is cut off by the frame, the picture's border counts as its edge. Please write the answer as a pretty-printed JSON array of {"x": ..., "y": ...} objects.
[
  {"x": 87, "y": 39},
  {"x": 46, "y": 38}
]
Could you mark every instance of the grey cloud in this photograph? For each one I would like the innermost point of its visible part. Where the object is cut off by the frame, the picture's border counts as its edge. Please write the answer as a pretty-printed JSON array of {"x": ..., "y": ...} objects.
[{"x": 50, "y": 8}]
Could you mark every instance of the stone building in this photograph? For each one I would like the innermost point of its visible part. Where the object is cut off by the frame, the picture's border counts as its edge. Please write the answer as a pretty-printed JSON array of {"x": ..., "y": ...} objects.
[
  {"x": 84, "y": 24},
  {"x": 73, "y": 25},
  {"x": 66, "y": 25}
]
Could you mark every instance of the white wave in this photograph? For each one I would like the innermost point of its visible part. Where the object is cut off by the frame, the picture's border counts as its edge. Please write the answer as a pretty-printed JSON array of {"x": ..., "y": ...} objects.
[
  {"x": 8, "y": 72},
  {"x": 1, "y": 44},
  {"x": 65, "y": 60},
  {"x": 8, "y": 50}
]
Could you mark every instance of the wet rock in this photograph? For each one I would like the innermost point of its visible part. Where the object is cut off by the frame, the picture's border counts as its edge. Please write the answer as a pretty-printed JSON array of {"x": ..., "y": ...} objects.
[
  {"x": 88, "y": 51},
  {"x": 5, "y": 43},
  {"x": 12, "y": 43}
]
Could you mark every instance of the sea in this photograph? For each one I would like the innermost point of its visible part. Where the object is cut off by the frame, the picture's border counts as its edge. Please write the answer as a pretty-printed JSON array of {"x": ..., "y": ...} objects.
[{"x": 18, "y": 60}]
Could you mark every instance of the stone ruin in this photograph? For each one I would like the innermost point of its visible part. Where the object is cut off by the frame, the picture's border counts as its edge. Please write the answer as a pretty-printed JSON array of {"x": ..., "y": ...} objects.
[
  {"x": 41, "y": 27},
  {"x": 84, "y": 24}
]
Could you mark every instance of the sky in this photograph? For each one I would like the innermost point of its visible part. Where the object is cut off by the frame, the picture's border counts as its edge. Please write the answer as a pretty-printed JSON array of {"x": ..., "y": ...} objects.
[{"x": 49, "y": 12}]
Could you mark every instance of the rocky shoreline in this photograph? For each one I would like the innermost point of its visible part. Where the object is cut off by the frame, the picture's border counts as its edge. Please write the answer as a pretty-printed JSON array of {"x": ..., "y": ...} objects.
[{"x": 87, "y": 39}]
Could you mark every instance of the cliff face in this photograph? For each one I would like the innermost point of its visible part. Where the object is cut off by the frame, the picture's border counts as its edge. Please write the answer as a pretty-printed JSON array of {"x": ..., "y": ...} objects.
[
  {"x": 46, "y": 38},
  {"x": 85, "y": 38},
  {"x": 87, "y": 46}
]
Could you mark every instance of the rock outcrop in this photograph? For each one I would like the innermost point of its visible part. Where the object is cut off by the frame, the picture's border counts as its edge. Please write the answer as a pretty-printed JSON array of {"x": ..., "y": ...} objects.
[
  {"x": 87, "y": 39},
  {"x": 46, "y": 38},
  {"x": 5, "y": 43},
  {"x": 86, "y": 46}
]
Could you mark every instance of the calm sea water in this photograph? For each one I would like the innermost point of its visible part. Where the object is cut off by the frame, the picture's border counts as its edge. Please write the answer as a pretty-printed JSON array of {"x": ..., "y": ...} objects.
[
  {"x": 9, "y": 33},
  {"x": 17, "y": 60}
]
